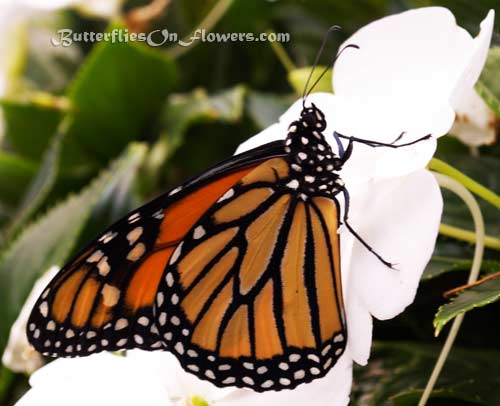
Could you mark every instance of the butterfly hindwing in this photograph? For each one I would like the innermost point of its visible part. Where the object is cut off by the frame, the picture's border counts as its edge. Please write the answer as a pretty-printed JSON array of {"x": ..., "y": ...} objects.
[
  {"x": 251, "y": 296},
  {"x": 103, "y": 298}
]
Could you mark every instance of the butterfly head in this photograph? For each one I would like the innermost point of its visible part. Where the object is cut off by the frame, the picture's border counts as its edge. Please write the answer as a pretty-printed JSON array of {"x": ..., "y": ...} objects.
[{"x": 313, "y": 118}]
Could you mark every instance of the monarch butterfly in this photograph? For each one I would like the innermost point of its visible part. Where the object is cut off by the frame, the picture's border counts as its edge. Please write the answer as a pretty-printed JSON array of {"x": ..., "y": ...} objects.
[{"x": 236, "y": 272}]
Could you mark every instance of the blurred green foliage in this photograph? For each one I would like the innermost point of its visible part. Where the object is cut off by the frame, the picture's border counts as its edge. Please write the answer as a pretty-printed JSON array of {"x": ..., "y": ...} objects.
[{"x": 93, "y": 131}]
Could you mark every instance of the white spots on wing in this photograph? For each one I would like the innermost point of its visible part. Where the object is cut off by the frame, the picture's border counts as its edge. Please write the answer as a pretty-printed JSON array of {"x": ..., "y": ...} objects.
[
  {"x": 158, "y": 344},
  {"x": 51, "y": 325},
  {"x": 300, "y": 374},
  {"x": 69, "y": 348},
  {"x": 338, "y": 338},
  {"x": 328, "y": 363},
  {"x": 46, "y": 343},
  {"x": 154, "y": 330},
  {"x": 163, "y": 318},
  {"x": 302, "y": 156},
  {"x": 159, "y": 214},
  {"x": 267, "y": 384},
  {"x": 96, "y": 256},
  {"x": 326, "y": 350},
  {"x": 209, "y": 374},
  {"x": 323, "y": 187},
  {"x": 224, "y": 367},
  {"x": 174, "y": 191},
  {"x": 121, "y": 324},
  {"x": 285, "y": 381},
  {"x": 248, "y": 365},
  {"x": 91, "y": 334},
  {"x": 110, "y": 295},
  {"x": 143, "y": 321},
  {"x": 168, "y": 336},
  {"x": 58, "y": 344},
  {"x": 248, "y": 380},
  {"x": 227, "y": 195},
  {"x": 70, "y": 333},
  {"x": 194, "y": 368},
  {"x": 138, "y": 339},
  {"x": 313, "y": 357},
  {"x": 329, "y": 167},
  {"x": 315, "y": 371},
  {"x": 31, "y": 327},
  {"x": 169, "y": 278},
  {"x": 309, "y": 178},
  {"x": 192, "y": 353},
  {"x": 160, "y": 298},
  {"x": 211, "y": 358},
  {"x": 179, "y": 347},
  {"x": 45, "y": 294},
  {"x": 303, "y": 197},
  {"x": 174, "y": 299},
  {"x": 175, "y": 320},
  {"x": 104, "y": 342},
  {"x": 283, "y": 366},
  {"x": 44, "y": 309},
  {"x": 176, "y": 253},
  {"x": 134, "y": 217},
  {"x": 338, "y": 351},
  {"x": 185, "y": 332},
  {"x": 296, "y": 168},
  {"x": 103, "y": 266},
  {"x": 288, "y": 150},
  {"x": 134, "y": 235},
  {"x": 261, "y": 370},
  {"x": 136, "y": 252},
  {"x": 293, "y": 184},
  {"x": 292, "y": 128},
  {"x": 321, "y": 147},
  {"x": 121, "y": 342},
  {"x": 304, "y": 140},
  {"x": 294, "y": 357},
  {"x": 108, "y": 237},
  {"x": 229, "y": 380},
  {"x": 198, "y": 232},
  {"x": 92, "y": 348}
]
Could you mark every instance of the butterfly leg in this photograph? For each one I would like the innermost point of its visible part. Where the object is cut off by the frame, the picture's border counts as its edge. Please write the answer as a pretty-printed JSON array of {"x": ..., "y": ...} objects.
[{"x": 355, "y": 234}]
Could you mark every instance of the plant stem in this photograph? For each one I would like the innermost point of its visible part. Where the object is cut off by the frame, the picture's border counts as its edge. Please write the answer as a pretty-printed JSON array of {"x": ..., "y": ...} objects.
[
  {"x": 459, "y": 189},
  {"x": 475, "y": 187},
  {"x": 281, "y": 54},
  {"x": 469, "y": 236},
  {"x": 207, "y": 24}
]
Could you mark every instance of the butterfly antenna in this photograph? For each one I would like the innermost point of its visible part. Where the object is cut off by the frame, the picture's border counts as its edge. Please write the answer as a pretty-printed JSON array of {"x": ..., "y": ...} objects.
[
  {"x": 330, "y": 65},
  {"x": 316, "y": 60}
]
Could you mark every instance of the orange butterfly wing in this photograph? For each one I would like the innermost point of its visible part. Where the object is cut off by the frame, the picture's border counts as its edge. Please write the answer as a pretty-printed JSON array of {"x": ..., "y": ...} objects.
[{"x": 252, "y": 295}]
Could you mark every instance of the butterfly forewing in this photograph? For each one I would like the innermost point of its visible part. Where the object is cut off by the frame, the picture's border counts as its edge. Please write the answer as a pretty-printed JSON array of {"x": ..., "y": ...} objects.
[
  {"x": 103, "y": 298},
  {"x": 252, "y": 295}
]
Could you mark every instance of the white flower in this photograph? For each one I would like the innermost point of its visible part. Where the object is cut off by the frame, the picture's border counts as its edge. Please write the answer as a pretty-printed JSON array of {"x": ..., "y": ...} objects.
[
  {"x": 411, "y": 71},
  {"x": 475, "y": 123},
  {"x": 19, "y": 355}
]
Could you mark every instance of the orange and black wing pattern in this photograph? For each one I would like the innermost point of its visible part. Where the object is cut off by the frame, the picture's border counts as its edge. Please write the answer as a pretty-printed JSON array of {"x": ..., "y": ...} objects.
[
  {"x": 103, "y": 299},
  {"x": 252, "y": 295}
]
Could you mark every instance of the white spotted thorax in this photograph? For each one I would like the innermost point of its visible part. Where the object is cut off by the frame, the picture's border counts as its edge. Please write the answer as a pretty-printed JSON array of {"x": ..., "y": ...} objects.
[{"x": 311, "y": 158}]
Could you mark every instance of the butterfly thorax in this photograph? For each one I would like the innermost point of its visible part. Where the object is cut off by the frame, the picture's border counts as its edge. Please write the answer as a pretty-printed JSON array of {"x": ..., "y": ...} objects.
[{"x": 311, "y": 158}]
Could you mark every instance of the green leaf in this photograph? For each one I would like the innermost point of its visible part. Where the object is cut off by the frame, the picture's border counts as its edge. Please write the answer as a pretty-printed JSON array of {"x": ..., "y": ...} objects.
[
  {"x": 40, "y": 186},
  {"x": 50, "y": 240},
  {"x": 16, "y": 173},
  {"x": 115, "y": 98},
  {"x": 441, "y": 265},
  {"x": 477, "y": 296},
  {"x": 488, "y": 85},
  {"x": 298, "y": 79},
  {"x": 398, "y": 371},
  {"x": 29, "y": 126},
  {"x": 266, "y": 108},
  {"x": 185, "y": 110}
]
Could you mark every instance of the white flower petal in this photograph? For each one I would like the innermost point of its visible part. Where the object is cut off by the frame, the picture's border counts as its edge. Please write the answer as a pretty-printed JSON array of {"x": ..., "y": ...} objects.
[
  {"x": 402, "y": 78},
  {"x": 99, "y": 379},
  {"x": 475, "y": 122},
  {"x": 19, "y": 355},
  {"x": 399, "y": 218}
]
